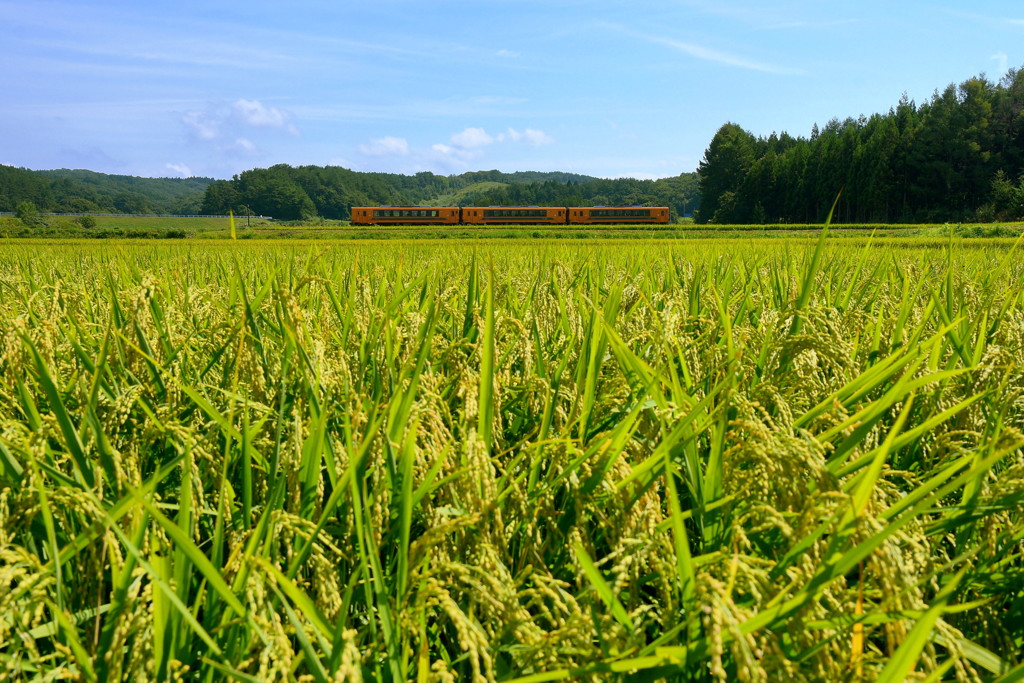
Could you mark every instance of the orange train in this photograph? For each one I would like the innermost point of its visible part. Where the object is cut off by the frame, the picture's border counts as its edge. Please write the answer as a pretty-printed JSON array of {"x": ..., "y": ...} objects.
[{"x": 507, "y": 215}]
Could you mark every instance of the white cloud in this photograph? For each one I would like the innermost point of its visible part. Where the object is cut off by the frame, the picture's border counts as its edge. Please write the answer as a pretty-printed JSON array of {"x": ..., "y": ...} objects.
[
  {"x": 201, "y": 125},
  {"x": 181, "y": 169},
  {"x": 221, "y": 123},
  {"x": 255, "y": 113},
  {"x": 537, "y": 137},
  {"x": 530, "y": 136},
  {"x": 508, "y": 54},
  {"x": 455, "y": 154},
  {"x": 472, "y": 138},
  {"x": 459, "y": 152},
  {"x": 385, "y": 146},
  {"x": 446, "y": 158}
]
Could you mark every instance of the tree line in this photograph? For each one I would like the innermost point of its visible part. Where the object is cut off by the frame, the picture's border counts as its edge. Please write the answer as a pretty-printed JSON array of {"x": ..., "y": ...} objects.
[
  {"x": 328, "y": 192},
  {"x": 305, "y": 192},
  {"x": 958, "y": 156},
  {"x": 81, "y": 191}
]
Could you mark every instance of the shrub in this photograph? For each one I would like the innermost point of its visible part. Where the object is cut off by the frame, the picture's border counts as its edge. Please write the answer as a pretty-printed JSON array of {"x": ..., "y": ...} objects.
[{"x": 27, "y": 213}]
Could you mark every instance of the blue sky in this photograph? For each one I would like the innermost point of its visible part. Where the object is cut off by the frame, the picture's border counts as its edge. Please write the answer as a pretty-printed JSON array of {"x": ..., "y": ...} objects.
[{"x": 604, "y": 88}]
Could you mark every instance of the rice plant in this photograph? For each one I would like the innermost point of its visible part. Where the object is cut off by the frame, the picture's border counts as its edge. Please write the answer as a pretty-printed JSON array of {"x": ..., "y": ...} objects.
[{"x": 754, "y": 460}]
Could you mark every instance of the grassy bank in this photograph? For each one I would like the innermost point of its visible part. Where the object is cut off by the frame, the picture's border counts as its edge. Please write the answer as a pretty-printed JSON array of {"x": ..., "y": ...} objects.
[{"x": 107, "y": 227}]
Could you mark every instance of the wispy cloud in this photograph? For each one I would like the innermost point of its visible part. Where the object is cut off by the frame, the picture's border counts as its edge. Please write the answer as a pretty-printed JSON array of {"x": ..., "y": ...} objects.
[
  {"x": 531, "y": 136},
  {"x": 181, "y": 169},
  {"x": 700, "y": 52},
  {"x": 471, "y": 138},
  {"x": 457, "y": 153},
  {"x": 243, "y": 147},
  {"x": 1003, "y": 60},
  {"x": 255, "y": 113},
  {"x": 385, "y": 146},
  {"x": 229, "y": 128}
]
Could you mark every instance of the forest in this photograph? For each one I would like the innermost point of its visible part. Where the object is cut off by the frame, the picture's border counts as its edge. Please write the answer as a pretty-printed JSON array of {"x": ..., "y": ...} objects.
[
  {"x": 293, "y": 193},
  {"x": 957, "y": 157},
  {"x": 81, "y": 191},
  {"x": 327, "y": 192}
]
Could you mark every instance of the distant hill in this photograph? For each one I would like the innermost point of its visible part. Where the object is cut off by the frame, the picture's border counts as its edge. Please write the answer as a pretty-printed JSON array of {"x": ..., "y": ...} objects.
[
  {"x": 80, "y": 191},
  {"x": 168, "y": 192},
  {"x": 290, "y": 193}
]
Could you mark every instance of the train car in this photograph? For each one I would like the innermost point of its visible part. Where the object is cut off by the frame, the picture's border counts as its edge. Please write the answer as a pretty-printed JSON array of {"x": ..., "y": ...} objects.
[
  {"x": 405, "y": 215},
  {"x": 592, "y": 215},
  {"x": 513, "y": 215}
]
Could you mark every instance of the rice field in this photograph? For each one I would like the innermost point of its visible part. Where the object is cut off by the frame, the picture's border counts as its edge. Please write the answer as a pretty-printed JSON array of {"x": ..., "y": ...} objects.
[{"x": 755, "y": 460}]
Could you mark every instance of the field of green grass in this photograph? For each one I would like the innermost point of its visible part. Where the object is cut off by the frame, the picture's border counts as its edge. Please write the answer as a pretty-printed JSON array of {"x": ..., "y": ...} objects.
[
  {"x": 124, "y": 226},
  {"x": 108, "y": 227},
  {"x": 511, "y": 460}
]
